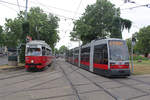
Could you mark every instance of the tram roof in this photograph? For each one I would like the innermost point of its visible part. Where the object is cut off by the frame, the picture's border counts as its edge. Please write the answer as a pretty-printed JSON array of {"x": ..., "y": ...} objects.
[
  {"x": 99, "y": 41},
  {"x": 96, "y": 42},
  {"x": 38, "y": 42}
]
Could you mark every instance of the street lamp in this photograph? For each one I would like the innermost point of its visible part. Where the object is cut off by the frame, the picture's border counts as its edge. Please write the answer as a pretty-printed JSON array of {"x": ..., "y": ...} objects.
[{"x": 133, "y": 41}]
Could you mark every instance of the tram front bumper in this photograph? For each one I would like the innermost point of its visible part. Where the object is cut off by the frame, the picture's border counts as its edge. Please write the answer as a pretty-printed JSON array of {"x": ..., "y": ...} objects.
[
  {"x": 31, "y": 65},
  {"x": 120, "y": 72}
]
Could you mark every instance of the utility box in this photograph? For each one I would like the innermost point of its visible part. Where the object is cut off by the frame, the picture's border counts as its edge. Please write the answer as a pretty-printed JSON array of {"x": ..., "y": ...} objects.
[
  {"x": 12, "y": 60},
  {"x": 12, "y": 57}
]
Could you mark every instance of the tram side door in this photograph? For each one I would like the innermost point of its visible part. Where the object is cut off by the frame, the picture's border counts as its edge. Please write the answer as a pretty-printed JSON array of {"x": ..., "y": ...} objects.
[{"x": 91, "y": 55}]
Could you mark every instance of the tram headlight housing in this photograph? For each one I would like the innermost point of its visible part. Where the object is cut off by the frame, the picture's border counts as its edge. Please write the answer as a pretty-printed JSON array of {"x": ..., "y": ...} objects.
[
  {"x": 32, "y": 61},
  {"x": 112, "y": 64},
  {"x": 127, "y": 63}
]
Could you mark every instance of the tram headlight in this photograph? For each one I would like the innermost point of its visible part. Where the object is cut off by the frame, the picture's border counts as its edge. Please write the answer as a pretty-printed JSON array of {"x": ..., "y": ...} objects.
[
  {"x": 127, "y": 63},
  {"x": 32, "y": 61},
  {"x": 112, "y": 64}
]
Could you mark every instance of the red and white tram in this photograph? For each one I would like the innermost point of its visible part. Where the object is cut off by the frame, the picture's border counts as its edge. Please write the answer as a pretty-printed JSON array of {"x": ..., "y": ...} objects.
[
  {"x": 108, "y": 57},
  {"x": 38, "y": 55}
]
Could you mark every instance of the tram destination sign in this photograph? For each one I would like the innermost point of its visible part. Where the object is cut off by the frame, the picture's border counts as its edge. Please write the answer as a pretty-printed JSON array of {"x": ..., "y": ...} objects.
[{"x": 117, "y": 43}]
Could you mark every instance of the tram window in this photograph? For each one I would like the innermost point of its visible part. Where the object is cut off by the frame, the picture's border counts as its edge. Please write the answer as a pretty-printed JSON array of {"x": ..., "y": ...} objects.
[
  {"x": 43, "y": 51},
  {"x": 33, "y": 51},
  {"x": 47, "y": 52},
  {"x": 100, "y": 54},
  {"x": 76, "y": 54},
  {"x": 85, "y": 54}
]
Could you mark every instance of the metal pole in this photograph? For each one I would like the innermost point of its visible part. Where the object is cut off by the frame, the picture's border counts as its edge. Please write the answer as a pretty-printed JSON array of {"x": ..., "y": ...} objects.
[
  {"x": 79, "y": 57},
  {"x": 132, "y": 56},
  {"x": 54, "y": 52},
  {"x": 26, "y": 9}
]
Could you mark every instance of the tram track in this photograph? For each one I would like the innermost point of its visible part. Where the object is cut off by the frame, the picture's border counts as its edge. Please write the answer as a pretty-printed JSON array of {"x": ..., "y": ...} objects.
[
  {"x": 124, "y": 84},
  {"x": 71, "y": 84},
  {"x": 130, "y": 86},
  {"x": 116, "y": 80},
  {"x": 137, "y": 80},
  {"x": 99, "y": 86},
  {"x": 104, "y": 89},
  {"x": 13, "y": 76},
  {"x": 31, "y": 79},
  {"x": 33, "y": 86},
  {"x": 116, "y": 98},
  {"x": 36, "y": 85},
  {"x": 28, "y": 88},
  {"x": 23, "y": 73},
  {"x": 65, "y": 74},
  {"x": 7, "y": 72},
  {"x": 146, "y": 93}
]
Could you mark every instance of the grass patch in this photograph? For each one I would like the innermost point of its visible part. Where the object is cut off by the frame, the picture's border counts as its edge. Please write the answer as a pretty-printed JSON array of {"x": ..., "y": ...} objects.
[{"x": 141, "y": 68}]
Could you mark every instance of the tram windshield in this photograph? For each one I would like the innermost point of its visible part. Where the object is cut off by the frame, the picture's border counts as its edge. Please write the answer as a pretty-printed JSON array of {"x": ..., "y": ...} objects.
[
  {"x": 118, "y": 50},
  {"x": 33, "y": 51}
]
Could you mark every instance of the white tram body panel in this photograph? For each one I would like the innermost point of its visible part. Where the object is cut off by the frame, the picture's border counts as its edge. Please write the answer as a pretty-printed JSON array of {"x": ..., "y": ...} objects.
[{"x": 107, "y": 57}]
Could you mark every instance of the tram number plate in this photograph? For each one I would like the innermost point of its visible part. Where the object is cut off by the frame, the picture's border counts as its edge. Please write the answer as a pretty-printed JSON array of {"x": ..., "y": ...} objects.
[
  {"x": 119, "y": 63},
  {"x": 121, "y": 71},
  {"x": 33, "y": 46}
]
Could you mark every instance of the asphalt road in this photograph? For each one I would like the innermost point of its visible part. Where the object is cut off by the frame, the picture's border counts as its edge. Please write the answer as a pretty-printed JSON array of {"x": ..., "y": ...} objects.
[
  {"x": 3, "y": 60},
  {"x": 63, "y": 81}
]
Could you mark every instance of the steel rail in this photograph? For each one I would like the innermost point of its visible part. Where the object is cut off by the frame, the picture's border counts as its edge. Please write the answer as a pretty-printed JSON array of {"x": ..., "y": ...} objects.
[
  {"x": 105, "y": 90},
  {"x": 71, "y": 84}
]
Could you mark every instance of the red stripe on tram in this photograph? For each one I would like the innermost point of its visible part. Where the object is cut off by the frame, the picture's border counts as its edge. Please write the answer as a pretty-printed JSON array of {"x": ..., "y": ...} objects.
[{"x": 119, "y": 67}]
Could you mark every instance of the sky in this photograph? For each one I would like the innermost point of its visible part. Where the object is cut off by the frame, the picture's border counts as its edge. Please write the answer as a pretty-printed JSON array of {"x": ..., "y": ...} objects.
[{"x": 67, "y": 10}]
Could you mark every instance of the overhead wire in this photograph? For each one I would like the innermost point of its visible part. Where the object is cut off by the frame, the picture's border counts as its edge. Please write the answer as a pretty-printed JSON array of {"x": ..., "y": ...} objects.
[
  {"x": 64, "y": 17},
  {"x": 11, "y": 3},
  {"x": 44, "y": 11},
  {"x": 77, "y": 8},
  {"x": 44, "y": 5},
  {"x": 9, "y": 7},
  {"x": 145, "y": 5},
  {"x": 18, "y": 5}
]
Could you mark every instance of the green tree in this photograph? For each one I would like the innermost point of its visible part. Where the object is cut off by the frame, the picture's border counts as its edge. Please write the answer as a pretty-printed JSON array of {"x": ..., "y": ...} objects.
[
  {"x": 63, "y": 49},
  {"x": 39, "y": 25},
  {"x": 1, "y": 37},
  {"x": 13, "y": 30},
  {"x": 56, "y": 51},
  {"x": 101, "y": 19},
  {"x": 143, "y": 41}
]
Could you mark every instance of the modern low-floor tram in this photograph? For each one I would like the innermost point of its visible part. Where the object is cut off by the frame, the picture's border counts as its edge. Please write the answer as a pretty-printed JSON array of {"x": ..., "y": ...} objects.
[{"x": 108, "y": 57}]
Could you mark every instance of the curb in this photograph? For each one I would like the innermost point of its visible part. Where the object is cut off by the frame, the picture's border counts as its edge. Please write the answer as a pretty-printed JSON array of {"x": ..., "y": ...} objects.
[{"x": 6, "y": 67}]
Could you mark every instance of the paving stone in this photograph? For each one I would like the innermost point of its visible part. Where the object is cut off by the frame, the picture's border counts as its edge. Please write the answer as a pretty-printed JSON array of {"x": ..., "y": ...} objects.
[
  {"x": 54, "y": 92},
  {"x": 110, "y": 85},
  {"x": 78, "y": 79},
  {"x": 52, "y": 85},
  {"x": 99, "y": 95},
  {"x": 125, "y": 92},
  {"x": 140, "y": 76},
  {"x": 143, "y": 98},
  {"x": 100, "y": 79},
  {"x": 56, "y": 83},
  {"x": 17, "y": 96},
  {"x": 87, "y": 88},
  {"x": 63, "y": 98},
  {"x": 129, "y": 81},
  {"x": 147, "y": 79},
  {"x": 87, "y": 73},
  {"x": 143, "y": 87}
]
